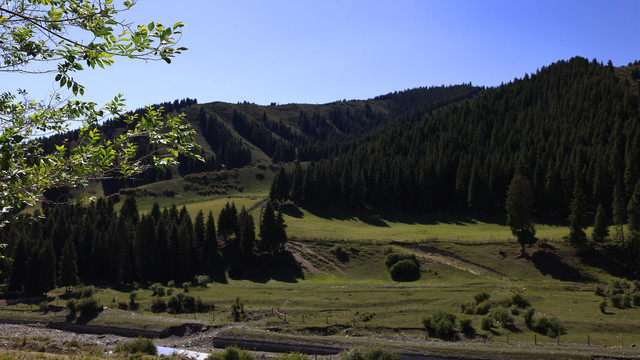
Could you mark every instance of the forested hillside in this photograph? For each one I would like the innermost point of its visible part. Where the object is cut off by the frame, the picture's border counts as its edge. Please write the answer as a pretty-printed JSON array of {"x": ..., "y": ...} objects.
[{"x": 573, "y": 126}]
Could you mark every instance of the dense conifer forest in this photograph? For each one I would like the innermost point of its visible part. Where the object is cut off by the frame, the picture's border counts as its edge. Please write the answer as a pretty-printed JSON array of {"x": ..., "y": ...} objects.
[
  {"x": 571, "y": 125},
  {"x": 94, "y": 243}
]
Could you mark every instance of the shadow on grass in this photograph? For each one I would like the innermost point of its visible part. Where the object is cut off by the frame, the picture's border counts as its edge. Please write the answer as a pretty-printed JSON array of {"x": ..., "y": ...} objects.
[
  {"x": 281, "y": 267},
  {"x": 605, "y": 260},
  {"x": 551, "y": 264}
]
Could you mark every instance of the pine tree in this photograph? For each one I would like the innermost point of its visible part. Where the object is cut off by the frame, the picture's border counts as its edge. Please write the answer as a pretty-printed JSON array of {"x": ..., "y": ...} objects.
[
  {"x": 633, "y": 244},
  {"x": 578, "y": 219},
  {"x": 227, "y": 221},
  {"x": 18, "y": 275},
  {"x": 68, "y": 266},
  {"x": 268, "y": 229},
  {"x": 130, "y": 209},
  {"x": 211, "y": 242},
  {"x": 247, "y": 233},
  {"x": 280, "y": 232},
  {"x": 619, "y": 213},
  {"x": 199, "y": 241},
  {"x": 518, "y": 205},
  {"x": 600, "y": 226}
]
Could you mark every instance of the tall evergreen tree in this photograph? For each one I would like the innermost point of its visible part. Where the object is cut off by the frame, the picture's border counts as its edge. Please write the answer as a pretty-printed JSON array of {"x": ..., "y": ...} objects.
[
  {"x": 578, "y": 219},
  {"x": 633, "y": 243},
  {"x": 519, "y": 203},
  {"x": 18, "y": 275},
  {"x": 247, "y": 233},
  {"x": 619, "y": 213},
  {"x": 130, "y": 209},
  {"x": 199, "y": 242},
  {"x": 600, "y": 226},
  {"x": 68, "y": 266},
  {"x": 268, "y": 229},
  {"x": 211, "y": 242}
]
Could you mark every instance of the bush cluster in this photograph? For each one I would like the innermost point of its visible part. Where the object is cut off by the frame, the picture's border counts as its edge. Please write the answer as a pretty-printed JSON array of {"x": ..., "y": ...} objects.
[
  {"x": 621, "y": 294},
  {"x": 87, "y": 306},
  {"x": 440, "y": 325},
  {"x": 403, "y": 267},
  {"x": 369, "y": 354},
  {"x": 341, "y": 253},
  {"x": 82, "y": 291},
  {"x": 182, "y": 302},
  {"x": 139, "y": 345},
  {"x": 231, "y": 353}
]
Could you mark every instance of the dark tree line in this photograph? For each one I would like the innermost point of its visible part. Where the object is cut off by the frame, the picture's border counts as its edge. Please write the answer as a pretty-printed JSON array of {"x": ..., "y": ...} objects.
[{"x": 70, "y": 243}]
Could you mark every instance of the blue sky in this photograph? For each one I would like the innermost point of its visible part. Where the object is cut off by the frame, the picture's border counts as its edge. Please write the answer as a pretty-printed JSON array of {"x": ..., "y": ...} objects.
[{"x": 319, "y": 51}]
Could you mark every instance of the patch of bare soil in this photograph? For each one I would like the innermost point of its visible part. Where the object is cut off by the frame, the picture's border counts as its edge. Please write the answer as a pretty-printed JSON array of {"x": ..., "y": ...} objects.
[
  {"x": 450, "y": 259},
  {"x": 319, "y": 266}
]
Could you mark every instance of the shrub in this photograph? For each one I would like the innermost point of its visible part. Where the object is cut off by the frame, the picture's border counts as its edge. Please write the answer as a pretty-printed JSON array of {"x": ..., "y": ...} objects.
[
  {"x": 393, "y": 258},
  {"x": 636, "y": 299},
  {"x": 72, "y": 305},
  {"x": 237, "y": 310},
  {"x": 158, "y": 305},
  {"x": 466, "y": 326},
  {"x": 599, "y": 291},
  {"x": 440, "y": 325},
  {"x": 202, "y": 280},
  {"x": 171, "y": 283},
  {"x": 370, "y": 354},
  {"x": 185, "y": 287},
  {"x": 603, "y": 307},
  {"x": 617, "y": 300},
  {"x": 88, "y": 306},
  {"x": 132, "y": 299},
  {"x": 82, "y": 291},
  {"x": 367, "y": 317},
  {"x": 487, "y": 323},
  {"x": 231, "y": 353},
  {"x": 380, "y": 354},
  {"x": 548, "y": 326},
  {"x": 527, "y": 315},
  {"x": 189, "y": 303},
  {"x": 340, "y": 252},
  {"x": 519, "y": 301},
  {"x": 405, "y": 270},
  {"x": 483, "y": 308},
  {"x": 175, "y": 304},
  {"x": 158, "y": 289},
  {"x": 480, "y": 297},
  {"x": 43, "y": 306},
  {"x": 468, "y": 308},
  {"x": 123, "y": 305},
  {"x": 293, "y": 356},
  {"x": 138, "y": 346},
  {"x": 502, "y": 316}
]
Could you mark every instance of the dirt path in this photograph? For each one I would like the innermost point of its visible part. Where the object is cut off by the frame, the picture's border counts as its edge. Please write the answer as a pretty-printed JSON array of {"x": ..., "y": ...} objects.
[{"x": 453, "y": 260}]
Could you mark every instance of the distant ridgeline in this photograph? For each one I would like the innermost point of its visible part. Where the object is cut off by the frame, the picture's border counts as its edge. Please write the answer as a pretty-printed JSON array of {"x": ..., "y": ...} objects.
[
  {"x": 572, "y": 124},
  {"x": 236, "y": 135}
]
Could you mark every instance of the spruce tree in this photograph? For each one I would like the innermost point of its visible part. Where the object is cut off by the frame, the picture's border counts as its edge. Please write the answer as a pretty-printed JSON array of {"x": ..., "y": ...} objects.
[
  {"x": 68, "y": 266},
  {"x": 18, "y": 275},
  {"x": 578, "y": 219},
  {"x": 518, "y": 205},
  {"x": 633, "y": 244},
  {"x": 600, "y": 226},
  {"x": 268, "y": 229},
  {"x": 619, "y": 213},
  {"x": 247, "y": 233},
  {"x": 199, "y": 241},
  {"x": 211, "y": 244}
]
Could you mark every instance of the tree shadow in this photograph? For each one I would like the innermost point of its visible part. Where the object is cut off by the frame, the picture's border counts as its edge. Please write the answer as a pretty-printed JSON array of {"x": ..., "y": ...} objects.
[
  {"x": 549, "y": 263},
  {"x": 605, "y": 260},
  {"x": 281, "y": 267},
  {"x": 292, "y": 210}
]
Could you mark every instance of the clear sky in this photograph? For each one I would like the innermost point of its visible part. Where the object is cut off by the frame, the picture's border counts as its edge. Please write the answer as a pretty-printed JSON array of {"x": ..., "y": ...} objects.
[{"x": 319, "y": 51}]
